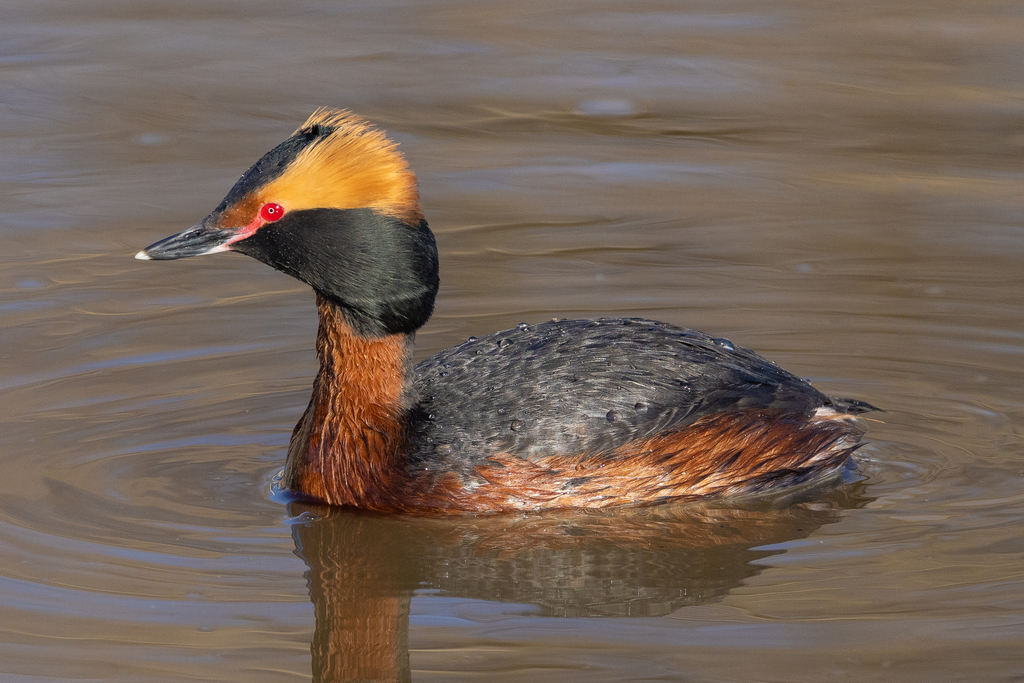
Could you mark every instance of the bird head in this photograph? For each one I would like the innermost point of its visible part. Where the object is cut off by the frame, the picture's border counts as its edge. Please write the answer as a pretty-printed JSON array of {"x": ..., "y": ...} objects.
[{"x": 336, "y": 206}]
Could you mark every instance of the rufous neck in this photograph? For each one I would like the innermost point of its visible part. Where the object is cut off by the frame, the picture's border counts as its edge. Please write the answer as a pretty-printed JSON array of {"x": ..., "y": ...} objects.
[{"x": 348, "y": 447}]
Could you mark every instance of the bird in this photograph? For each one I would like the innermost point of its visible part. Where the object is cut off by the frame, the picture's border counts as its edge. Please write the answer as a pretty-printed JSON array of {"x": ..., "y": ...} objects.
[{"x": 558, "y": 414}]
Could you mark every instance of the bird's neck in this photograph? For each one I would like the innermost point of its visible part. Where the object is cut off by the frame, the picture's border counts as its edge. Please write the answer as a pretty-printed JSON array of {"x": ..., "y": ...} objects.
[{"x": 347, "y": 448}]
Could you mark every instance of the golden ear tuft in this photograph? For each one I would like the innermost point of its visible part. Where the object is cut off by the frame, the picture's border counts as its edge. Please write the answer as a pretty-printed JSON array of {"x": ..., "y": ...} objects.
[
  {"x": 326, "y": 121},
  {"x": 349, "y": 165}
]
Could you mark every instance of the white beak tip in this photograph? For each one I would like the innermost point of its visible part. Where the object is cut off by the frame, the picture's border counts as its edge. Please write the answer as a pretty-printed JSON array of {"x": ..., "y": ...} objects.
[{"x": 143, "y": 256}]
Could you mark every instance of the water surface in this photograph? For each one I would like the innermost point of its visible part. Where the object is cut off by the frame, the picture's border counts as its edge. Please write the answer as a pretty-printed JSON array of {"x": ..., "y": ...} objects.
[{"x": 837, "y": 186}]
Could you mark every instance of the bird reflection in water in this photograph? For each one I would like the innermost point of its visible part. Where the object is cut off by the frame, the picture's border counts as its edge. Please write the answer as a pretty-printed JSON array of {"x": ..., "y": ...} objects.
[{"x": 363, "y": 567}]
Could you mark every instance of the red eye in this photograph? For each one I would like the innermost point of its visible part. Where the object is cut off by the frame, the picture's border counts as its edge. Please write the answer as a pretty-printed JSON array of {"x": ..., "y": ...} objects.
[{"x": 271, "y": 212}]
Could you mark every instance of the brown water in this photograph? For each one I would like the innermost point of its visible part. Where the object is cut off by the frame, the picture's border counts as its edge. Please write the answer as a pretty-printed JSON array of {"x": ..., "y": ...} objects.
[{"x": 837, "y": 185}]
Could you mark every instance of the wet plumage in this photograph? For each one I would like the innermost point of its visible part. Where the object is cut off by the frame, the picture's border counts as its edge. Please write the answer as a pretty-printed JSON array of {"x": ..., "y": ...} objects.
[{"x": 566, "y": 413}]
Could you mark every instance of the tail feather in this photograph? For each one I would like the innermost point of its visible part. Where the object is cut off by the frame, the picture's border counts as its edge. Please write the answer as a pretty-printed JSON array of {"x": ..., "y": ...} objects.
[{"x": 851, "y": 406}]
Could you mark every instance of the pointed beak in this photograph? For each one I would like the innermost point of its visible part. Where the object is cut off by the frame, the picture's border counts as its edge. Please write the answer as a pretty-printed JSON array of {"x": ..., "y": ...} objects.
[{"x": 196, "y": 241}]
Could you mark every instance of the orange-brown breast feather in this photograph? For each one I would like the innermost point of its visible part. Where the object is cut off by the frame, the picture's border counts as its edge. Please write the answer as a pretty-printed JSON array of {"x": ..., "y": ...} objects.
[
  {"x": 346, "y": 448},
  {"x": 724, "y": 454}
]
